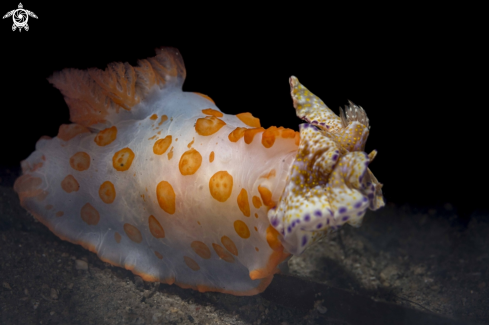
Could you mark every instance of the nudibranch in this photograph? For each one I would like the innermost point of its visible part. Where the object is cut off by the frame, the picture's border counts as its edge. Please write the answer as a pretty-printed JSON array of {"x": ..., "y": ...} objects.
[{"x": 161, "y": 182}]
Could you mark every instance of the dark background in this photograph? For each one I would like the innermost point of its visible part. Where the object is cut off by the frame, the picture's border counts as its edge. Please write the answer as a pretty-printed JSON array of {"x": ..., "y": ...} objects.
[{"x": 414, "y": 71}]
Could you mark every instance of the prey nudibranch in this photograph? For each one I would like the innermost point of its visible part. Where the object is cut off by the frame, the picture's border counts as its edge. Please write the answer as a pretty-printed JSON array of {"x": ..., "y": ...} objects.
[{"x": 161, "y": 182}]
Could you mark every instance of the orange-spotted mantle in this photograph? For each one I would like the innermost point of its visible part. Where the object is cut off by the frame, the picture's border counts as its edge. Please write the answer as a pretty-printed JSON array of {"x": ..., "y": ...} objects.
[
  {"x": 160, "y": 181},
  {"x": 163, "y": 183}
]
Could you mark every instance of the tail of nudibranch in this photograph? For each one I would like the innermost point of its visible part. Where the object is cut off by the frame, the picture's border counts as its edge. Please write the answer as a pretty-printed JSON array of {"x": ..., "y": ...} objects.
[{"x": 330, "y": 183}]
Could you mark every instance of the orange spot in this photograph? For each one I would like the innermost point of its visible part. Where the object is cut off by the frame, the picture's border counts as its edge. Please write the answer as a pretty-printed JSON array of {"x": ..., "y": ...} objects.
[
  {"x": 162, "y": 145},
  {"x": 211, "y": 156},
  {"x": 213, "y": 112},
  {"x": 249, "y": 120},
  {"x": 256, "y": 229},
  {"x": 106, "y": 136},
  {"x": 49, "y": 207},
  {"x": 266, "y": 196},
  {"x": 241, "y": 229},
  {"x": 60, "y": 214},
  {"x": 201, "y": 249},
  {"x": 243, "y": 203},
  {"x": 158, "y": 255},
  {"x": 256, "y": 215},
  {"x": 221, "y": 185},
  {"x": 256, "y": 202},
  {"x": 249, "y": 134},
  {"x": 190, "y": 162},
  {"x": 80, "y": 161},
  {"x": 268, "y": 137},
  {"x": 205, "y": 96},
  {"x": 223, "y": 254},
  {"x": 297, "y": 138},
  {"x": 191, "y": 143},
  {"x": 70, "y": 184},
  {"x": 170, "y": 154},
  {"x": 133, "y": 233},
  {"x": 154, "y": 117},
  {"x": 191, "y": 263},
  {"x": 69, "y": 131},
  {"x": 117, "y": 237},
  {"x": 155, "y": 227},
  {"x": 90, "y": 215},
  {"x": 166, "y": 197},
  {"x": 163, "y": 119},
  {"x": 271, "y": 174},
  {"x": 256, "y": 248},
  {"x": 229, "y": 244},
  {"x": 42, "y": 196},
  {"x": 27, "y": 186},
  {"x": 237, "y": 134},
  {"x": 122, "y": 159},
  {"x": 208, "y": 125},
  {"x": 273, "y": 238},
  {"x": 107, "y": 192},
  {"x": 154, "y": 136},
  {"x": 288, "y": 133}
]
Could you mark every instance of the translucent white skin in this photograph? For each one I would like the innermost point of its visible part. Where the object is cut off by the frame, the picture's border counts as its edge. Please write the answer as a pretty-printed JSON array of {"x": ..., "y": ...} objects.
[
  {"x": 247, "y": 163},
  {"x": 289, "y": 170}
]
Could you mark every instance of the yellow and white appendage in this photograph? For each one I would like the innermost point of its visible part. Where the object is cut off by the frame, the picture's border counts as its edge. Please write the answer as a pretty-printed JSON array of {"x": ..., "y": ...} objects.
[{"x": 329, "y": 183}]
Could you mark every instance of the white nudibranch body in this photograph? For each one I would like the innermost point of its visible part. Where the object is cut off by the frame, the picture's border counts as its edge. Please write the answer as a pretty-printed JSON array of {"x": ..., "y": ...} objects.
[{"x": 161, "y": 182}]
